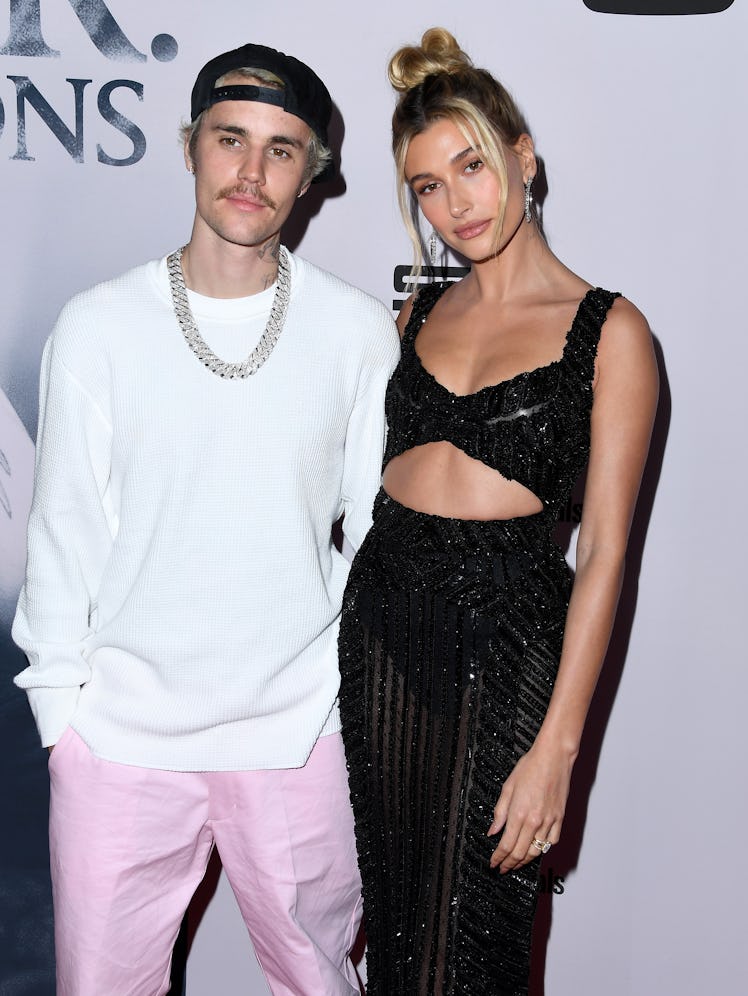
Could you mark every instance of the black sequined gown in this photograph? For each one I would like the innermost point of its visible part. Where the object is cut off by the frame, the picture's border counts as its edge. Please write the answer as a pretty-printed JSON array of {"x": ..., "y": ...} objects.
[{"x": 450, "y": 640}]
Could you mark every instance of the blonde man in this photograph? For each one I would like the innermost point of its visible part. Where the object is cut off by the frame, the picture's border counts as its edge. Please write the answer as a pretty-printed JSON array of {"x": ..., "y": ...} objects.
[{"x": 206, "y": 418}]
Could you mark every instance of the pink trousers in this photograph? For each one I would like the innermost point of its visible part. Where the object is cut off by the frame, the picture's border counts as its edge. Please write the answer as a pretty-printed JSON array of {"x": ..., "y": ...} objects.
[{"x": 129, "y": 846}]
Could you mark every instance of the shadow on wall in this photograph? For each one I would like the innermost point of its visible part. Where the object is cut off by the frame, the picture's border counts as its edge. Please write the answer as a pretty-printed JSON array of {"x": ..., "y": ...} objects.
[
  {"x": 311, "y": 203},
  {"x": 566, "y": 852}
]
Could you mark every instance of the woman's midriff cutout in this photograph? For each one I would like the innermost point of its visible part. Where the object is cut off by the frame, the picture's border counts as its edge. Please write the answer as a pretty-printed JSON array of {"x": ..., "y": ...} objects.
[{"x": 439, "y": 479}]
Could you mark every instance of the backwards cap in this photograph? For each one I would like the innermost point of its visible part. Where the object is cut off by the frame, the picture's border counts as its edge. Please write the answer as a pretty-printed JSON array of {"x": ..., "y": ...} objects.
[{"x": 304, "y": 94}]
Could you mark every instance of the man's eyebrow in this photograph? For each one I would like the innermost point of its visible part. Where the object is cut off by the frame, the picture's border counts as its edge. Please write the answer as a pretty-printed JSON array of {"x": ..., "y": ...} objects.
[
  {"x": 244, "y": 133},
  {"x": 232, "y": 129},
  {"x": 286, "y": 140},
  {"x": 458, "y": 157}
]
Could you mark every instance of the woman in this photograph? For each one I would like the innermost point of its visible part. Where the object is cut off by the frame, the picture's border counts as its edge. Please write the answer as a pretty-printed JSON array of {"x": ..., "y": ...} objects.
[{"x": 468, "y": 658}]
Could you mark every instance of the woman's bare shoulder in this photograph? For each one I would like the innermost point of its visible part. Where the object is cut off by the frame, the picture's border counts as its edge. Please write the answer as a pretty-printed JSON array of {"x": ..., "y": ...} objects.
[
  {"x": 626, "y": 350},
  {"x": 405, "y": 312},
  {"x": 625, "y": 327}
]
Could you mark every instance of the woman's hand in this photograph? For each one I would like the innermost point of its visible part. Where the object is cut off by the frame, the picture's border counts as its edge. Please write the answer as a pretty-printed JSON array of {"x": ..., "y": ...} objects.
[{"x": 531, "y": 806}]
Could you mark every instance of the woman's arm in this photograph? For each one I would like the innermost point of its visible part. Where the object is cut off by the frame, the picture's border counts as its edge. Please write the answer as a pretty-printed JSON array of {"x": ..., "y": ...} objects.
[{"x": 533, "y": 799}]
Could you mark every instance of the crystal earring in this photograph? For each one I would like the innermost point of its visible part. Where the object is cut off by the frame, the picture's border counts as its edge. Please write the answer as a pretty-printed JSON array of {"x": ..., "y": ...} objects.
[
  {"x": 528, "y": 198},
  {"x": 433, "y": 246}
]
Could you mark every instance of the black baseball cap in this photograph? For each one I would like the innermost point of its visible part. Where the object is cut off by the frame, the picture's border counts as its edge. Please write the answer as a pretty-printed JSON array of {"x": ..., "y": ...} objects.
[{"x": 304, "y": 94}]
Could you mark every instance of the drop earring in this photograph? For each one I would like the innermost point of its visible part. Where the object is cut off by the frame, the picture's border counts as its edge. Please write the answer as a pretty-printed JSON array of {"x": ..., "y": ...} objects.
[
  {"x": 528, "y": 198},
  {"x": 433, "y": 246}
]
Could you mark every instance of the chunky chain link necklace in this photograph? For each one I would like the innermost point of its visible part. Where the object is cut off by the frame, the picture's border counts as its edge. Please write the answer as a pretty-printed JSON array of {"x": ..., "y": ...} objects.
[{"x": 199, "y": 346}]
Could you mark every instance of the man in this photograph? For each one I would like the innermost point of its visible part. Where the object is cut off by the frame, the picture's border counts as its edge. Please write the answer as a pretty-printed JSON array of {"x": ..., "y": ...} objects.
[{"x": 182, "y": 593}]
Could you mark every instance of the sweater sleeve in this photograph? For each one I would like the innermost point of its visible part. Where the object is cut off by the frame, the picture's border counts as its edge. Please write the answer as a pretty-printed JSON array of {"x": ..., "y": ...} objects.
[
  {"x": 69, "y": 540},
  {"x": 365, "y": 437}
]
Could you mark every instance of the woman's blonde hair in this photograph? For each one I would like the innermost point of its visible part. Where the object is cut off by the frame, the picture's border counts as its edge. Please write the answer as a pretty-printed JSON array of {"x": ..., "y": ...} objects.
[{"x": 436, "y": 80}]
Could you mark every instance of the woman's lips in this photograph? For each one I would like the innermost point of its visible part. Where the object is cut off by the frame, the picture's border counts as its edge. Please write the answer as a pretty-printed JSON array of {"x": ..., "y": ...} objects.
[{"x": 472, "y": 230}]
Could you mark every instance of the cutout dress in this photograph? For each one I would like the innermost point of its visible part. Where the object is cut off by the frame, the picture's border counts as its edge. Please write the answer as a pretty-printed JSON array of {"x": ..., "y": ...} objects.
[{"x": 449, "y": 645}]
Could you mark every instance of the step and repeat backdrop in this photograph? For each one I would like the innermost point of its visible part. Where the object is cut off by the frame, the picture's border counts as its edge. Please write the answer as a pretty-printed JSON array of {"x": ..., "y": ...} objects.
[{"x": 638, "y": 112}]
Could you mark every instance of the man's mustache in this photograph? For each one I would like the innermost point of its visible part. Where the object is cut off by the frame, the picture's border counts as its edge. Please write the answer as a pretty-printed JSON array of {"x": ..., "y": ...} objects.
[{"x": 244, "y": 191}]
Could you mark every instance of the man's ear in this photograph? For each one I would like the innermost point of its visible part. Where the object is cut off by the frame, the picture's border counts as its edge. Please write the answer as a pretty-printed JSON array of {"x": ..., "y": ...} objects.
[
  {"x": 189, "y": 164},
  {"x": 304, "y": 189}
]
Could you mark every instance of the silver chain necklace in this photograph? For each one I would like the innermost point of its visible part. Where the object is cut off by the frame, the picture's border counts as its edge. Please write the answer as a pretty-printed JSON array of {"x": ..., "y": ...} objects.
[{"x": 199, "y": 346}]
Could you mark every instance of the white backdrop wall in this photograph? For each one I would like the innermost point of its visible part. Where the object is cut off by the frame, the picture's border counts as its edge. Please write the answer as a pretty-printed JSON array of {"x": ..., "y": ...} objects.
[{"x": 640, "y": 121}]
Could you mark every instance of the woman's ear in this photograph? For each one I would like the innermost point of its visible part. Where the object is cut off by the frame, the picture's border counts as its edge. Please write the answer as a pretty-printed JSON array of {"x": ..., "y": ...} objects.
[{"x": 524, "y": 149}]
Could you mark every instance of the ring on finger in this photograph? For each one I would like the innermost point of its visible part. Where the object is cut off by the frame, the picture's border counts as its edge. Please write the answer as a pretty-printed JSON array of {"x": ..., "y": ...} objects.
[{"x": 543, "y": 846}]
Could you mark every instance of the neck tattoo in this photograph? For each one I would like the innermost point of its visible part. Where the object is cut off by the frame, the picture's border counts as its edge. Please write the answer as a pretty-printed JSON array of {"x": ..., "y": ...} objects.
[{"x": 191, "y": 333}]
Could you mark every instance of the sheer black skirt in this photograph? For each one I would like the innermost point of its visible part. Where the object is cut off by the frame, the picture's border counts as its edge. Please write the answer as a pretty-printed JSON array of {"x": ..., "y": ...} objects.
[{"x": 450, "y": 639}]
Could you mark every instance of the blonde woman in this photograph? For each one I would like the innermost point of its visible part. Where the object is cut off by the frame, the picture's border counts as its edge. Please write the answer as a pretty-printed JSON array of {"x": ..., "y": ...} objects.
[{"x": 469, "y": 654}]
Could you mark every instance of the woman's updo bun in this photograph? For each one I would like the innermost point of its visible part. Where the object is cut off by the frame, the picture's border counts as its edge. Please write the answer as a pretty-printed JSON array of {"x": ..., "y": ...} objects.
[{"x": 437, "y": 53}]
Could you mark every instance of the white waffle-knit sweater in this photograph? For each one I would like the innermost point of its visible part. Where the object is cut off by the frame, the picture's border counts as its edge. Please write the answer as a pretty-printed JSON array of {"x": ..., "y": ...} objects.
[{"x": 182, "y": 593}]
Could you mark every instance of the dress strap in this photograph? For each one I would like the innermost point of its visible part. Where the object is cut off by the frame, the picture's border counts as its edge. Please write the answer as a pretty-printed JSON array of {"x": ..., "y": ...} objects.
[
  {"x": 584, "y": 334},
  {"x": 426, "y": 297}
]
